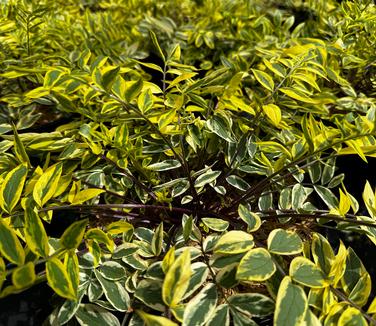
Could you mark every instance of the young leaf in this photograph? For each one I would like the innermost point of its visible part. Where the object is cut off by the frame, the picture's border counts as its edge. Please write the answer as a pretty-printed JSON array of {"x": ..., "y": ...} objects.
[{"x": 177, "y": 279}]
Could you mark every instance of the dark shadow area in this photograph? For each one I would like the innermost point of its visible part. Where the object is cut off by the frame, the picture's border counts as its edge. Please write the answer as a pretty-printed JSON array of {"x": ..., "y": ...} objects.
[{"x": 29, "y": 308}]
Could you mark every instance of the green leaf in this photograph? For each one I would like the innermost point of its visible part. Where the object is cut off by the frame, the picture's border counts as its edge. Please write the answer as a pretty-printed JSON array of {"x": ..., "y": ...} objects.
[
  {"x": 85, "y": 195},
  {"x": 24, "y": 276},
  {"x": 145, "y": 101},
  {"x": 327, "y": 196},
  {"x": 291, "y": 304},
  {"x": 252, "y": 219},
  {"x": 199, "y": 309},
  {"x": 264, "y": 79},
  {"x": 47, "y": 184},
  {"x": 356, "y": 281},
  {"x": 215, "y": 224},
  {"x": 11, "y": 188},
  {"x": 234, "y": 242},
  {"x": 252, "y": 304},
  {"x": 19, "y": 148},
  {"x": 93, "y": 315},
  {"x": 322, "y": 253},
  {"x": 199, "y": 276},
  {"x": 257, "y": 265},
  {"x": 157, "y": 46},
  {"x": 165, "y": 165},
  {"x": 132, "y": 89},
  {"x": 73, "y": 235},
  {"x": 108, "y": 77},
  {"x": 114, "y": 292},
  {"x": 157, "y": 241},
  {"x": 220, "y": 127},
  {"x": 284, "y": 242},
  {"x": 238, "y": 182},
  {"x": 58, "y": 279},
  {"x": 220, "y": 316},
  {"x": 151, "y": 320},
  {"x": 206, "y": 178},
  {"x": 101, "y": 237},
  {"x": 119, "y": 227},
  {"x": 150, "y": 293},
  {"x": 111, "y": 270},
  {"x": 73, "y": 269},
  {"x": 177, "y": 279},
  {"x": 305, "y": 272},
  {"x": 10, "y": 246},
  {"x": 35, "y": 234}
]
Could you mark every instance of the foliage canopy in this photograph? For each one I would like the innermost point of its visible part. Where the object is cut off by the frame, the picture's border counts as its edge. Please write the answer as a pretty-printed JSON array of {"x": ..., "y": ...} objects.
[{"x": 195, "y": 144}]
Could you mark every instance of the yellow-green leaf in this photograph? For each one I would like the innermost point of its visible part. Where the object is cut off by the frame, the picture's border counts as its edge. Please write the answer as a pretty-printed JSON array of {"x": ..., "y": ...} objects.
[
  {"x": 291, "y": 304},
  {"x": 284, "y": 242},
  {"x": 234, "y": 242},
  {"x": 257, "y": 265},
  {"x": 73, "y": 235},
  {"x": 58, "y": 279},
  {"x": 305, "y": 272},
  {"x": 23, "y": 276},
  {"x": 151, "y": 320},
  {"x": 72, "y": 268},
  {"x": 85, "y": 195},
  {"x": 273, "y": 112},
  {"x": 118, "y": 227},
  {"x": 47, "y": 184},
  {"x": 351, "y": 317},
  {"x": 35, "y": 234},
  {"x": 11, "y": 188},
  {"x": 19, "y": 148},
  {"x": 101, "y": 237},
  {"x": 297, "y": 95},
  {"x": 264, "y": 79},
  {"x": 10, "y": 246},
  {"x": 177, "y": 280}
]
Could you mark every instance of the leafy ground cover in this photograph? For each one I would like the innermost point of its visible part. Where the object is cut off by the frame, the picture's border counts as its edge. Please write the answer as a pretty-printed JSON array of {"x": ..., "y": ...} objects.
[{"x": 175, "y": 162}]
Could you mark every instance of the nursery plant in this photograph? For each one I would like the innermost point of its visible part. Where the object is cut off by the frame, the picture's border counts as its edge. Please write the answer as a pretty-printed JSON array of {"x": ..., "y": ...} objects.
[{"x": 174, "y": 162}]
